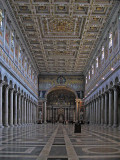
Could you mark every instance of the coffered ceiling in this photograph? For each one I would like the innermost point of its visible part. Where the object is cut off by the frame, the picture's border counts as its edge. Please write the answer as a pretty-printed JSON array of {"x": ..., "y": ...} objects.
[{"x": 61, "y": 34}]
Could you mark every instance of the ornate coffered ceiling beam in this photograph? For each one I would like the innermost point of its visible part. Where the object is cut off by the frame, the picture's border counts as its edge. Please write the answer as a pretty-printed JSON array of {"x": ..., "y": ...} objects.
[
  {"x": 85, "y": 26},
  {"x": 39, "y": 35}
]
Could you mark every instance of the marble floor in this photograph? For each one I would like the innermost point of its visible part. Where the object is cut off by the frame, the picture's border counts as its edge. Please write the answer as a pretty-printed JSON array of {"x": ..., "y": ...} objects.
[{"x": 59, "y": 142}]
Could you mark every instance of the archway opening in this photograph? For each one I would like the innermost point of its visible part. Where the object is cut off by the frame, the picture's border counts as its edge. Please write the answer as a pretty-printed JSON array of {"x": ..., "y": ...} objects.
[{"x": 61, "y": 106}]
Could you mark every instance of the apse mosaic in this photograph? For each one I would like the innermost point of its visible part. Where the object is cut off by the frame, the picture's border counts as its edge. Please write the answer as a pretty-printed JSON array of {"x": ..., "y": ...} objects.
[
  {"x": 74, "y": 82},
  {"x": 60, "y": 97}
]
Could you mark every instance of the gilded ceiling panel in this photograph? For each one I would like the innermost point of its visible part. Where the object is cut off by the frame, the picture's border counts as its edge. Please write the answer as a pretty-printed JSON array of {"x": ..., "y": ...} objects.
[{"x": 61, "y": 34}]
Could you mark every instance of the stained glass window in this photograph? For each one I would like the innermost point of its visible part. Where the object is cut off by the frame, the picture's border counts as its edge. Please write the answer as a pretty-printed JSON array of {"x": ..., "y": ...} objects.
[
  {"x": 103, "y": 52},
  {"x": 110, "y": 39}
]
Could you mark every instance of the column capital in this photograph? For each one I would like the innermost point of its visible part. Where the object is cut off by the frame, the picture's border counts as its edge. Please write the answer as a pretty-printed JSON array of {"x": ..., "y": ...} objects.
[
  {"x": 11, "y": 89},
  {"x": 1, "y": 83},
  {"x": 102, "y": 95},
  {"x": 77, "y": 100},
  {"x": 15, "y": 91},
  {"x": 115, "y": 88},
  {"x": 110, "y": 90},
  {"x": 106, "y": 92},
  {"x": 19, "y": 94},
  {"x": 7, "y": 86}
]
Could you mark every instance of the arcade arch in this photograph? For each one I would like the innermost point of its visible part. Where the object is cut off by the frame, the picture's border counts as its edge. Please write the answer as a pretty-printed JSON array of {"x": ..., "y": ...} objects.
[{"x": 61, "y": 103}]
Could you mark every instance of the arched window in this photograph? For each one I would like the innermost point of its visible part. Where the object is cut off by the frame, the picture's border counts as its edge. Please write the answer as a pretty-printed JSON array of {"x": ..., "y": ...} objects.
[
  {"x": 23, "y": 62},
  {"x": 89, "y": 74},
  {"x": 1, "y": 18},
  {"x": 97, "y": 62},
  {"x": 103, "y": 52},
  {"x": 110, "y": 39},
  {"x": 92, "y": 69},
  {"x": 86, "y": 79}
]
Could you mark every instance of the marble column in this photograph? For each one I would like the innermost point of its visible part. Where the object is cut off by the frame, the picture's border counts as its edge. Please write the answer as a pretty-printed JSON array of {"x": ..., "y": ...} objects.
[
  {"x": 110, "y": 107},
  {"x": 25, "y": 110},
  {"x": 115, "y": 107},
  {"x": 31, "y": 112},
  {"x": 106, "y": 108},
  {"x": 76, "y": 111},
  {"x": 15, "y": 109},
  {"x": 68, "y": 114},
  {"x": 99, "y": 110},
  {"x": 6, "y": 107},
  {"x": 102, "y": 109},
  {"x": 45, "y": 112},
  {"x": 28, "y": 111},
  {"x": 1, "y": 121},
  {"x": 96, "y": 110},
  {"x": 92, "y": 112},
  {"x": 22, "y": 110},
  {"x": 65, "y": 114},
  {"x": 74, "y": 115},
  {"x": 35, "y": 113},
  {"x": 11, "y": 107},
  {"x": 19, "y": 109},
  {"x": 90, "y": 106}
]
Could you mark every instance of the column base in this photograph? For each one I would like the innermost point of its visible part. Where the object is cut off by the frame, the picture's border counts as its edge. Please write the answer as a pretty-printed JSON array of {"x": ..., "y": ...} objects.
[
  {"x": 11, "y": 125},
  {"x": 115, "y": 126},
  {"x": 45, "y": 122},
  {"x": 105, "y": 125},
  {"x": 15, "y": 125},
  {"x": 1, "y": 126},
  {"x": 119, "y": 128},
  {"x": 110, "y": 125},
  {"x": 6, "y": 126}
]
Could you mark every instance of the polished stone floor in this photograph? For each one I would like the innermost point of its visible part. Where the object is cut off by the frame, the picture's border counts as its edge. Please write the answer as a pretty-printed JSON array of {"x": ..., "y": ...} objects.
[{"x": 59, "y": 142}]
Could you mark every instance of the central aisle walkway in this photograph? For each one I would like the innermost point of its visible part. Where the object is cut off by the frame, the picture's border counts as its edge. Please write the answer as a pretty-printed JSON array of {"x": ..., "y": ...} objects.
[{"x": 58, "y": 142}]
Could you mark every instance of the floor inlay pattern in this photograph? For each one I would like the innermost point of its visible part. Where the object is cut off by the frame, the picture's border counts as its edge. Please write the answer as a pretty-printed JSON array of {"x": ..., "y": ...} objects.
[{"x": 59, "y": 142}]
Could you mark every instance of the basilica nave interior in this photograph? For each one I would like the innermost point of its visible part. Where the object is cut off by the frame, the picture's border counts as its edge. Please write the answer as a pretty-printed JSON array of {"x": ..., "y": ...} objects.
[{"x": 59, "y": 67}]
